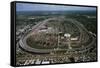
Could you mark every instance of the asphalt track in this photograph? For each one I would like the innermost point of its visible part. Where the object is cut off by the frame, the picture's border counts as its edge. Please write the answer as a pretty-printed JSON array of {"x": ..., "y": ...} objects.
[{"x": 83, "y": 31}]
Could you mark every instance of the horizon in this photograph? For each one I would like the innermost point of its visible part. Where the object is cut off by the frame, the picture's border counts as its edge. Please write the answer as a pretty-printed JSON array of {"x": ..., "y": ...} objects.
[{"x": 46, "y": 7}]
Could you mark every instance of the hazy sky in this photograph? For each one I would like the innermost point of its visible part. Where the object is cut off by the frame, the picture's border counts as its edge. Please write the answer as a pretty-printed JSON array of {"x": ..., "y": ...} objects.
[{"x": 46, "y": 7}]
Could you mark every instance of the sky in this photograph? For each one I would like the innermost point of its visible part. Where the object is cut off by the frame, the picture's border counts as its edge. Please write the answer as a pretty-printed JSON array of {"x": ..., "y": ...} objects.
[{"x": 46, "y": 7}]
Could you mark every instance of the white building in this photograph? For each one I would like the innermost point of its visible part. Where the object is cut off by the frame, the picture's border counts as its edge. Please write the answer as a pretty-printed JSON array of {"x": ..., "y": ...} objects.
[
  {"x": 74, "y": 38},
  {"x": 45, "y": 62},
  {"x": 67, "y": 35}
]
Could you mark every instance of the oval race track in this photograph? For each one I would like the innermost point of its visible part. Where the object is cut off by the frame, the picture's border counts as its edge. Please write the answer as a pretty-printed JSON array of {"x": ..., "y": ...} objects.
[{"x": 83, "y": 36}]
